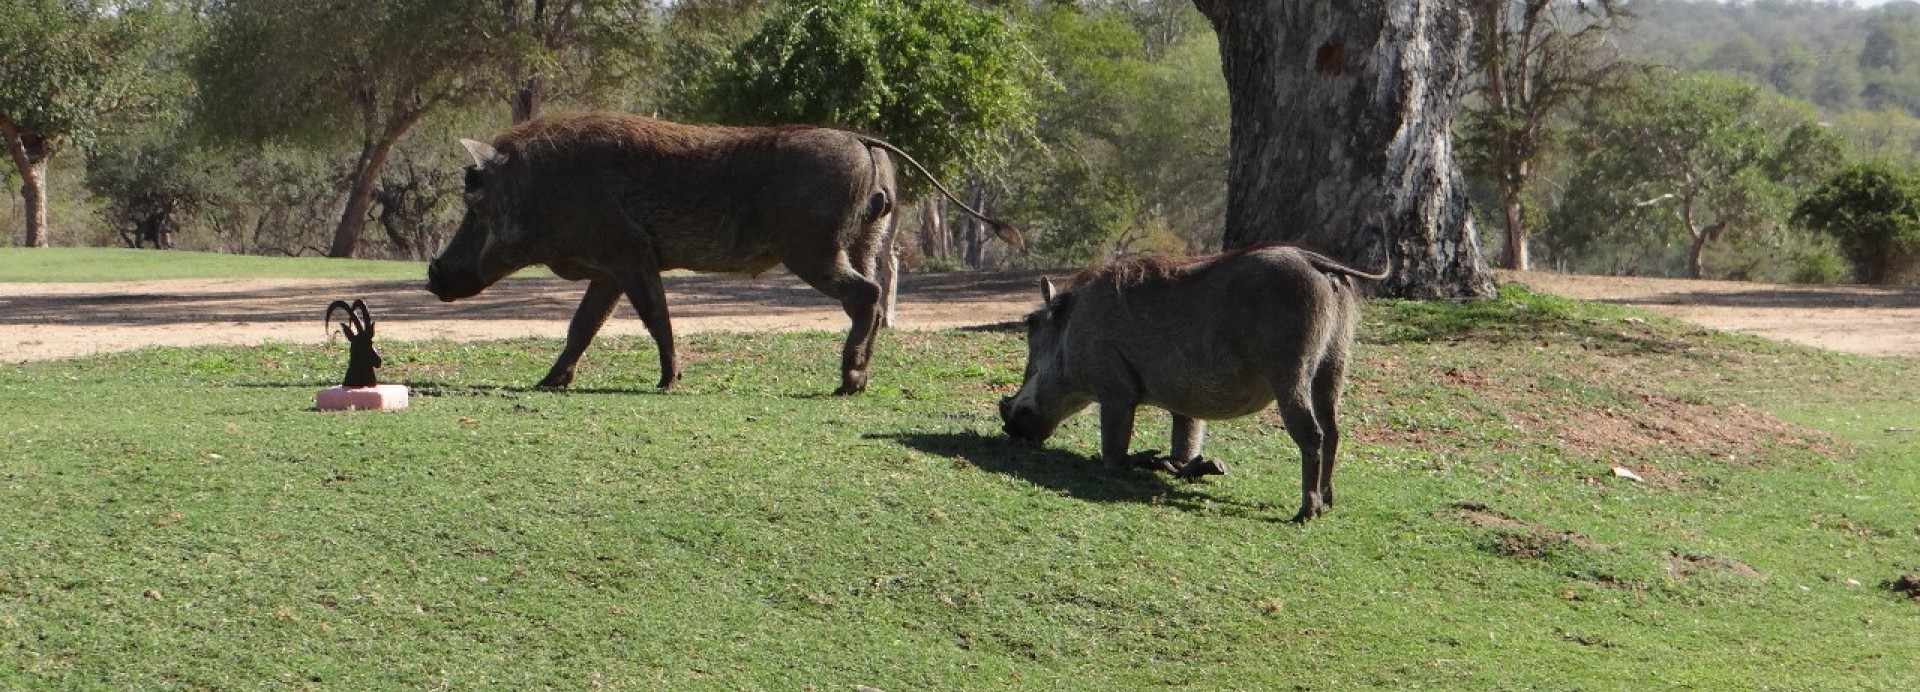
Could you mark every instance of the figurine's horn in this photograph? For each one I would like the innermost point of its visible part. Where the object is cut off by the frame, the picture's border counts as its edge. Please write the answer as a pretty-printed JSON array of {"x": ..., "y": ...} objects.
[
  {"x": 327, "y": 321},
  {"x": 366, "y": 318}
]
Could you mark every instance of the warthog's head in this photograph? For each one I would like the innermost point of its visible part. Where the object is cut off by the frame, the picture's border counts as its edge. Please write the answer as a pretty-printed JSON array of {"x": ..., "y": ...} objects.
[
  {"x": 482, "y": 251},
  {"x": 1046, "y": 395}
]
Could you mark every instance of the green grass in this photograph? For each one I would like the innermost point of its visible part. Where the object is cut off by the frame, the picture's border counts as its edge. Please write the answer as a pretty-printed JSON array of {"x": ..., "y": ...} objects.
[
  {"x": 179, "y": 519},
  {"x": 35, "y": 265}
]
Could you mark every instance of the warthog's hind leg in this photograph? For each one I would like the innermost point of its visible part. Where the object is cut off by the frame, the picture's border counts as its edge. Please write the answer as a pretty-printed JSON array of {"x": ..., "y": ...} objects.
[
  {"x": 595, "y": 307},
  {"x": 1296, "y": 411},
  {"x": 1327, "y": 384},
  {"x": 649, "y": 297},
  {"x": 859, "y": 296}
]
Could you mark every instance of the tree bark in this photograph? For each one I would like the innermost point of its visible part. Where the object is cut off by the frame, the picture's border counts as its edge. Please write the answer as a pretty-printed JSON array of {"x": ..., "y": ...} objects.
[
  {"x": 525, "y": 101},
  {"x": 1517, "y": 256},
  {"x": 1342, "y": 117},
  {"x": 30, "y": 156},
  {"x": 353, "y": 220}
]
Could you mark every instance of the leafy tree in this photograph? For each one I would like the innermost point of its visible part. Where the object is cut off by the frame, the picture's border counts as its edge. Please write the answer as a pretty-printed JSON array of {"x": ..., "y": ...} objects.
[
  {"x": 570, "y": 48},
  {"x": 1890, "y": 59},
  {"x": 1699, "y": 157},
  {"x": 1132, "y": 138},
  {"x": 150, "y": 184},
  {"x": 939, "y": 78},
  {"x": 697, "y": 36},
  {"x": 290, "y": 70},
  {"x": 1538, "y": 59},
  {"x": 67, "y": 68},
  {"x": 1873, "y": 211}
]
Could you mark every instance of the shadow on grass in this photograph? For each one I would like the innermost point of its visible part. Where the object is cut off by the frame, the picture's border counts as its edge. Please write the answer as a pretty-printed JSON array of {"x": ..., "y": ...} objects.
[
  {"x": 442, "y": 389},
  {"x": 1078, "y": 476}
]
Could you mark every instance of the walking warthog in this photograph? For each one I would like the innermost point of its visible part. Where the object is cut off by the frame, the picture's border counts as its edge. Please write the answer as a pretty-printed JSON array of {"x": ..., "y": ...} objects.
[
  {"x": 1206, "y": 338},
  {"x": 616, "y": 199}
]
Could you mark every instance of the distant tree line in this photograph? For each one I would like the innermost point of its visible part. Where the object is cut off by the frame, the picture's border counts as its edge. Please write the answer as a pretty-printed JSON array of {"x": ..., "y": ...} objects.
[{"x": 1660, "y": 137}]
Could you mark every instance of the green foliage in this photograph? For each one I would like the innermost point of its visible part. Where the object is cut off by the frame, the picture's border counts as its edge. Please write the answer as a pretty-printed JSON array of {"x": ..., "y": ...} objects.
[
  {"x": 948, "y": 82},
  {"x": 1873, "y": 211},
  {"x": 577, "y": 51},
  {"x": 309, "y": 73},
  {"x": 70, "y": 67},
  {"x": 1684, "y": 161},
  {"x": 185, "y": 519},
  {"x": 150, "y": 185},
  {"x": 1134, "y": 137}
]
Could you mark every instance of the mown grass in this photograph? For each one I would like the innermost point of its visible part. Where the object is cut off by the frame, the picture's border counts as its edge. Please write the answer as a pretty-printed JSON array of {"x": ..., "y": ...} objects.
[
  {"x": 178, "y": 518},
  {"x": 77, "y": 264}
]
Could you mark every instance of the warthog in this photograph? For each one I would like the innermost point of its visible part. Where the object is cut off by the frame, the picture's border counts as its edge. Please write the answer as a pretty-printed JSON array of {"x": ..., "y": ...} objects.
[
  {"x": 1207, "y": 338},
  {"x": 616, "y": 199}
]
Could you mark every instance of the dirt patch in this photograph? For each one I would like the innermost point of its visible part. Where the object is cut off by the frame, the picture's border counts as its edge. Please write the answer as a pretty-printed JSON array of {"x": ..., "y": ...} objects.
[
  {"x": 1514, "y": 537},
  {"x": 1906, "y": 585},
  {"x": 1732, "y": 433},
  {"x": 1869, "y": 320},
  {"x": 43, "y": 320},
  {"x": 1687, "y": 564},
  {"x": 1518, "y": 408}
]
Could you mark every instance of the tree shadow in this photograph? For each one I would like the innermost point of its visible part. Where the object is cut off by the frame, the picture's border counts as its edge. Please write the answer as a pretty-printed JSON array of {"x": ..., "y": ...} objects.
[{"x": 1076, "y": 475}]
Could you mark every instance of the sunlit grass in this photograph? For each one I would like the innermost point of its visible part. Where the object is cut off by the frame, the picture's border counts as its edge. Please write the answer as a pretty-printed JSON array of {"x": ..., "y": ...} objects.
[{"x": 179, "y": 518}]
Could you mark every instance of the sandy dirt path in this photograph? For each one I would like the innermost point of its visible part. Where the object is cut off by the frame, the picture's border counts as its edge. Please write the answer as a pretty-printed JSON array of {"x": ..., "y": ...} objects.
[{"x": 41, "y": 321}]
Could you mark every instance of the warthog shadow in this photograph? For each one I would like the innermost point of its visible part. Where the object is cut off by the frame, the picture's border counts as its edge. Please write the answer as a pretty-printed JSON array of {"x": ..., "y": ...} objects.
[{"x": 1075, "y": 475}]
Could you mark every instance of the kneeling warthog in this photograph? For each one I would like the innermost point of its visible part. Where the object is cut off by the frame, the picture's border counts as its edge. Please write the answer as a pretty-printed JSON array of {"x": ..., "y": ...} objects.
[
  {"x": 616, "y": 199},
  {"x": 1207, "y": 338}
]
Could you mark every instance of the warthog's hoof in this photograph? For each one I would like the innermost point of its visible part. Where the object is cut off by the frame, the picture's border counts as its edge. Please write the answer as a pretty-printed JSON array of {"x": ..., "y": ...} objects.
[
  {"x": 1201, "y": 466},
  {"x": 852, "y": 382},
  {"x": 556, "y": 380},
  {"x": 1150, "y": 460},
  {"x": 1179, "y": 468}
]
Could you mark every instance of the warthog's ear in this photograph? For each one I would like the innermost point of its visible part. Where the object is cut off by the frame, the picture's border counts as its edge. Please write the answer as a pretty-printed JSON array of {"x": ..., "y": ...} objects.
[
  {"x": 484, "y": 154},
  {"x": 1046, "y": 290}
]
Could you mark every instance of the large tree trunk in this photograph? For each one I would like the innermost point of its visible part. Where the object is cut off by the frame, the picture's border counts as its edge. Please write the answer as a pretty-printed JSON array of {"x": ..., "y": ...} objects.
[
  {"x": 29, "y": 153},
  {"x": 1342, "y": 117},
  {"x": 353, "y": 220},
  {"x": 366, "y": 175},
  {"x": 1517, "y": 255}
]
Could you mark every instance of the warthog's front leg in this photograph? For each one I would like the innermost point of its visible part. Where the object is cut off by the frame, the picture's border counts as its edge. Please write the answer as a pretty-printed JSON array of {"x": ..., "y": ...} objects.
[
  {"x": 1116, "y": 432},
  {"x": 1189, "y": 435},
  {"x": 595, "y": 307}
]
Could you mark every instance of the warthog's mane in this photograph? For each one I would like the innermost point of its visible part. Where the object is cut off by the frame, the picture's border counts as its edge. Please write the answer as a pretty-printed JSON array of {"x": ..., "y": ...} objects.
[
  {"x": 1154, "y": 268},
  {"x": 600, "y": 130}
]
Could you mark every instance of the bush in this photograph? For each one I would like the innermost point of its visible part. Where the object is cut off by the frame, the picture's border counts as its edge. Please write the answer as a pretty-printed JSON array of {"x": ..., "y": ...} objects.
[
  {"x": 1817, "y": 267},
  {"x": 1873, "y": 211}
]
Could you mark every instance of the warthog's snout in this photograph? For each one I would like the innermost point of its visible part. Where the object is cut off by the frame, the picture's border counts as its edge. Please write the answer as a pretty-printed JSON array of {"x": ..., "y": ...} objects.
[
  {"x": 437, "y": 284},
  {"x": 1018, "y": 423}
]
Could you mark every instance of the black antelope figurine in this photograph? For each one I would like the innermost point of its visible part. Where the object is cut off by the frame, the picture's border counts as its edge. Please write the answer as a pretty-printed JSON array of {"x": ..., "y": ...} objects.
[{"x": 361, "y": 358}]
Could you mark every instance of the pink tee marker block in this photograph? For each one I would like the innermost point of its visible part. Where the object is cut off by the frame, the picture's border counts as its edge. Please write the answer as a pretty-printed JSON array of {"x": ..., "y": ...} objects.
[{"x": 377, "y": 397}]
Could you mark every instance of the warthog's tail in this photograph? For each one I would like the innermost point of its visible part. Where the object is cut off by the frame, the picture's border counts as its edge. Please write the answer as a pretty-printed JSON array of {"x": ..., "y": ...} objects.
[
  {"x": 1329, "y": 264},
  {"x": 1004, "y": 230}
]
